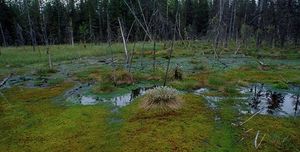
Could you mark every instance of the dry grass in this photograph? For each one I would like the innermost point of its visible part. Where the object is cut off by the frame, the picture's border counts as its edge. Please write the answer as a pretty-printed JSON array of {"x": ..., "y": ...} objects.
[{"x": 162, "y": 98}]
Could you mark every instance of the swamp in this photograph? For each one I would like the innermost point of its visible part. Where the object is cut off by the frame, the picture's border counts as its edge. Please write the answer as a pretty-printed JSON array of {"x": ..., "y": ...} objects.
[
  {"x": 149, "y": 76},
  {"x": 76, "y": 105}
]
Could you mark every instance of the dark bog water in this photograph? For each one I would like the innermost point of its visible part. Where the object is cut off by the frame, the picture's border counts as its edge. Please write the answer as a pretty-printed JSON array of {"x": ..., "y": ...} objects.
[{"x": 265, "y": 100}]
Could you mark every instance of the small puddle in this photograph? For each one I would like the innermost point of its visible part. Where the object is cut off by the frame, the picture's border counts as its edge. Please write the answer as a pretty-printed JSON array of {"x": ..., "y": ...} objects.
[
  {"x": 266, "y": 100},
  {"x": 77, "y": 95},
  {"x": 87, "y": 100},
  {"x": 212, "y": 100}
]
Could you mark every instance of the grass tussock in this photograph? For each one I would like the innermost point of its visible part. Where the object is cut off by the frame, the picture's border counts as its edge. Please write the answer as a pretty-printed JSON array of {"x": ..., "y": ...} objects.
[
  {"x": 162, "y": 98},
  {"x": 121, "y": 76}
]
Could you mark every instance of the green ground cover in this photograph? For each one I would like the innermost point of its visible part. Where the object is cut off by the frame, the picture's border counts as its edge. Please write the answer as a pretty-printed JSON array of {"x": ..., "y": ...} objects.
[{"x": 40, "y": 119}]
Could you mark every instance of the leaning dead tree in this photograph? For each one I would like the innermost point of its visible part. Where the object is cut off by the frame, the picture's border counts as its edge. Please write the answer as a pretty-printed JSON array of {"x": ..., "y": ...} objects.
[
  {"x": 124, "y": 43},
  {"x": 45, "y": 36},
  {"x": 145, "y": 25}
]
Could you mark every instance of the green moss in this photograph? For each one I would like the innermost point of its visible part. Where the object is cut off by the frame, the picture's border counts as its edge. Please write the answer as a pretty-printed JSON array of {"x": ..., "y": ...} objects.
[
  {"x": 282, "y": 134},
  {"x": 187, "y": 129},
  {"x": 93, "y": 74},
  {"x": 45, "y": 72},
  {"x": 231, "y": 90},
  {"x": 281, "y": 85},
  {"x": 30, "y": 121},
  {"x": 56, "y": 81},
  {"x": 216, "y": 80},
  {"x": 186, "y": 84}
]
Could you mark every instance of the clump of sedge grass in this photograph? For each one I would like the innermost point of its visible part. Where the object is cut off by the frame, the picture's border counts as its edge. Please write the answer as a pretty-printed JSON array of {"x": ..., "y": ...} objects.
[
  {"x": 162, "y": 98},
  {"x": 121, "y": 76}
]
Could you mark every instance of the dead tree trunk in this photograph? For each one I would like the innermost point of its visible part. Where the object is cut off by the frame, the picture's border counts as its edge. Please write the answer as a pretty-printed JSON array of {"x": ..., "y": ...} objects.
[
  {"x": 49, "y": 58},
  {"x": 33, "y": 41},
  {"x": 143, "y": 52},
  {"x": 124, "y": 43},
  {"x": 232, "y": 20},
  {"x": 131, "y": 56},
  {"x": 129, "y": 32},
  {"x": 144, "y": 27},
  {"x": 154, "y": 55},
  {"x": 19, "y": 33},
  {"x": 259, "y": 30},
  {"x": 109, "y": 47},
  {"x": 3, "y": 36},
  {"x": 91, "y": 32},
  {"x": 71, "y": 31},
  {"x": 217, "y": 38}
]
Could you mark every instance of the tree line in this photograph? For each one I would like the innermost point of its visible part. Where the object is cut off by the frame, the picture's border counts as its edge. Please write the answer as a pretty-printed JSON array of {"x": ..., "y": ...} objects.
[{"x": 45, "y": 22}]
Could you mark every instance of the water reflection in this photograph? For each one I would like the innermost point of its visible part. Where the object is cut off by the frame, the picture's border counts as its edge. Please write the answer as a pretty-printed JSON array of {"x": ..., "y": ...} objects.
[
  {"x": 267, "y": 101},
  {"x": 76, "y": 96}
]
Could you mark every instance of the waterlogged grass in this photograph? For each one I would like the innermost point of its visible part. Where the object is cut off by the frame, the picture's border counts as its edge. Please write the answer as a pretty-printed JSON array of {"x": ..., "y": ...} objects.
[
  {"x": 226, "y": 82},
  {"x": 281, "y": 134},
  {"x": 24, "y": 55}
]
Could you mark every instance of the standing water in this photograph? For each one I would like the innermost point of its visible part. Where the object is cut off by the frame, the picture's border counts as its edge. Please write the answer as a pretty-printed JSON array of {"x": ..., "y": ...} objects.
[{"x": 266, "y": 101}]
